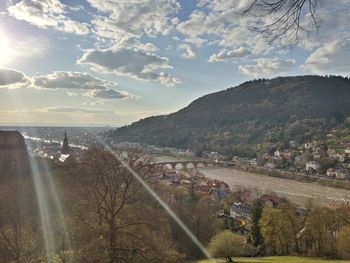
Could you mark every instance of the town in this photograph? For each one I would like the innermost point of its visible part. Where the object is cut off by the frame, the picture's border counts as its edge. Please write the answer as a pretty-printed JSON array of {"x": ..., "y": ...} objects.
[{"x": 313, "y": 159}]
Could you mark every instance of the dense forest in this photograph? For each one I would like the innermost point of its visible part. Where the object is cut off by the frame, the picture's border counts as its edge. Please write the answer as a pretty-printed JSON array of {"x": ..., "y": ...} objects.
[{"x": 243, "y": 119}]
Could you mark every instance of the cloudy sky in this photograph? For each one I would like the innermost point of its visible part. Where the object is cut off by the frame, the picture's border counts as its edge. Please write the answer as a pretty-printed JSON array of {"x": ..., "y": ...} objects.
[{"x": 112, "y": 62}]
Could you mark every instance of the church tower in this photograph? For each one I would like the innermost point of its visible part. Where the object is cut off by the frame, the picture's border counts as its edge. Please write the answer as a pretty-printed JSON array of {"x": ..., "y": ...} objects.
[{"x": 65, "y": 146}]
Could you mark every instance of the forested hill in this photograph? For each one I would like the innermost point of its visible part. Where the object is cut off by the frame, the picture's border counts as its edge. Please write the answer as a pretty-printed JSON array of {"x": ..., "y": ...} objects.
[{"x": 244, "y": 118}]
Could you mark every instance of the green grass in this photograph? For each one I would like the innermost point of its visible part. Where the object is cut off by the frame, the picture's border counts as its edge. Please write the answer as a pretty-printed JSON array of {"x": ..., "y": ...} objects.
[{"x": 285, "y": 259}]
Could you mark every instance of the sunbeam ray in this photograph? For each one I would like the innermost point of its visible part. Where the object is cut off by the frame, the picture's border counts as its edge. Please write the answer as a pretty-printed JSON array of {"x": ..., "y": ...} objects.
[
  {"x": 161, "y": 202},
  {"x": 46, "y": 192}
]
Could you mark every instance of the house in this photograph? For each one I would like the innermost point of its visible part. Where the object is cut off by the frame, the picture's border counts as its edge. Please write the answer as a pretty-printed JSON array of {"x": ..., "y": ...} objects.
[
  {"x": 214, "y": 156},
  {"x": 236, "y": 159},
  {"x": 289, "y": 155},
  {"x": 299, "y": 159},
  {"x": 293, "y": 144},
  {"x": 253, "y": 162},
  {"x": 342, "y": 173},
  {"x": 240, "y": 210},
  {"x": 64, "y": 157},
  {"x": 316, "y": 154},
  {"x": 343, "y": 158},
  {"x": 271, "y": 201},
  {"x": 219, "y": 188},
  {"x": 332, "y": 154},
  {"x": 185, "y": 181},
  {"x": 312, "y": 166},
  {"x": 308, "y": 145},
  {"x": 277, "y": 153},
  {"x": 330, "y": 172},
  {"x": 271, "y": 165},
  {"x": 213, "y": 188},
  {"x": 172, "y": 177},
  {"x": 189, "y": 152}
]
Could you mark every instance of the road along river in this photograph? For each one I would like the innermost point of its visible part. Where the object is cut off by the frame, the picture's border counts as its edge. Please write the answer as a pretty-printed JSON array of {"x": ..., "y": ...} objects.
[{"x": 298, "y": 192}]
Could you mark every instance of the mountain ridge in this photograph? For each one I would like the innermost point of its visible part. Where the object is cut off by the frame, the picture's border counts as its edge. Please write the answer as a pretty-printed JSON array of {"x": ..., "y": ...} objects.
[{"x": 252, "y": 113}]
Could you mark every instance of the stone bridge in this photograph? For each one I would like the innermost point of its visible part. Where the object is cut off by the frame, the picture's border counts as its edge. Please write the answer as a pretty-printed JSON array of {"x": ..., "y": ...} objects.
[{"x": 193, "y": 164}]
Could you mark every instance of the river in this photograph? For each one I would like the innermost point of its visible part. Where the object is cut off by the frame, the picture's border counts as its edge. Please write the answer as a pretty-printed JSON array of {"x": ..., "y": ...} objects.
[
  {"x": 298, "y": 192},
  {"x": 37, "y": 139}
]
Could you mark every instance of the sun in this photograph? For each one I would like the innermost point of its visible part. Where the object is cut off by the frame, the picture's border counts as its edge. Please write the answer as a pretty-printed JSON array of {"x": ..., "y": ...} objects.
[{"x": 6, "y": 51}]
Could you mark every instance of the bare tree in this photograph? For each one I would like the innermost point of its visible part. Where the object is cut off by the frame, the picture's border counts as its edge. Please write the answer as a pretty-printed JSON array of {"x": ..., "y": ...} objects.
[
  {"x": 17, "y": 238},
  {"x": 114, "y": 207},
  {"x": 284, "y": 20}
]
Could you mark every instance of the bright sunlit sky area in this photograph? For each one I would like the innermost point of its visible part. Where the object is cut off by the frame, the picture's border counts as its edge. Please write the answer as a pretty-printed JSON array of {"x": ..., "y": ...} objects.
[{"x": 112, "y": 62}]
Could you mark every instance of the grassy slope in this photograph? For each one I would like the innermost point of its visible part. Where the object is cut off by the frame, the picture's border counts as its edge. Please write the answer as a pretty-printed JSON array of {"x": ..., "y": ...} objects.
[{"x": 286, "y": 259}]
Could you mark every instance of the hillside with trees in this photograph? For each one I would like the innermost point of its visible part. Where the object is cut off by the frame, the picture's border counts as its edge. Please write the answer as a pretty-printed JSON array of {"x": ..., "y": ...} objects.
[{"x": 250, "y": 117}]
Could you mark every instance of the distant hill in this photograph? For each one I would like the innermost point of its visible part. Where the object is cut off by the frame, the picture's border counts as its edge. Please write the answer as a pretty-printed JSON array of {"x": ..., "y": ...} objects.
[{"x": 249, "y": 117}]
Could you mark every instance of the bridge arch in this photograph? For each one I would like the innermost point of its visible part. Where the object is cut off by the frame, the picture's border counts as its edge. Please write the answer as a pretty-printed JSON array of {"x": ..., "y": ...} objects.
[
  {"x": 190, "y": 165},
  {"x": 179, "y": 166}
]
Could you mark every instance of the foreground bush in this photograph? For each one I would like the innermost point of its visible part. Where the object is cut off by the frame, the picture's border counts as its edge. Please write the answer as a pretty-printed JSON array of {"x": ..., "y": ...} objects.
[{"x": 227, "y": 245}]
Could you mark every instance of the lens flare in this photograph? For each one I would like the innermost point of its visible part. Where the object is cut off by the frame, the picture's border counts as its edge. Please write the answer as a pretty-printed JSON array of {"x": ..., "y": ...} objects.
[
  {"x": 48, "y": 199},
  {"x": 162, "y": 203},
  {"x": 6, "y": 51}
]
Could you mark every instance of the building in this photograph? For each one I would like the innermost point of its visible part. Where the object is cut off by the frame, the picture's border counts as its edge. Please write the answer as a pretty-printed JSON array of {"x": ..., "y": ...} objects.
[
  {"x": 331, "y": 172},
  {"x": 270, "y": 165},
  {"x": 65, "y": 145},
  {"x": 240, "y": 210},
  {"x": 271, "y": 201},
  {"x": 14, "y": 158},
  {"x": 171, "y": 177},
  {"x": 253, "y": 162},
  {"x": 312, "y": 166},
  {"x": 341, "y": 173},
  {"x": 277, "y": 153},
  {"x": 218, "y": 188}
]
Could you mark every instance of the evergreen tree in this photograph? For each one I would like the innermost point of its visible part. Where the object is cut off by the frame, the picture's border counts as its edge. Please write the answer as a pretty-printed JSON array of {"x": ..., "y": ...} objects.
[{"x": 256, "y": 236}]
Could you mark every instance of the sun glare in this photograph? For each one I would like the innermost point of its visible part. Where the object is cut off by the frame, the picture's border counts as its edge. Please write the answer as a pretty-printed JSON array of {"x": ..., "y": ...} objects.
[{"x": 5, "y": 49}]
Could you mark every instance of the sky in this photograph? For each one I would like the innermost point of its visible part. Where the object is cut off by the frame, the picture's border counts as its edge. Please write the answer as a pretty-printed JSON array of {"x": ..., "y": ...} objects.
[{"x": 113, "y": 62}]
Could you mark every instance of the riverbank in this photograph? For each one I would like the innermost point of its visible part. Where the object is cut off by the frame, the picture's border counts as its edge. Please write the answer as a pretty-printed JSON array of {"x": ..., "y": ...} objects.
[
  {"x": 278, "y": 259},
  {"x": 321, "y": 180},
  {"x": 297, "y": 191}
]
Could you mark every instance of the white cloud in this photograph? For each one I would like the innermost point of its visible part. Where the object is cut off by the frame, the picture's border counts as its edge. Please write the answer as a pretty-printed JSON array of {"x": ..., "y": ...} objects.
[
  {"x": 11, "y": 78},
  {"x": 132, "y": 62},
  {"x": 197, "y": 41},
  {"x": 70, "y": 80},
  {"x": 229, "y": 54},
  {"x": 334, "y": 23},
  {"x": 199, "y": 24},
  {"x": 332, "y": 58},
  {"x": 78, "y": 110},
  {"x": 267, "y": 67},
  {"x": 108, "y": 94},
  {"x": 224, "y": 5},
  {"x": 93, "y": 103},
  {"x": 47, "y": 14},
  {"x": 168, "y": 80},
  {"x": 127, "y": 42},
  {"x": 188, "y": 52},
  {"x": 134, "y": 18},
  {"x": 219, "y": 22},
  {"x": 74, "y": 83},
  {"x": 30, "y": 47},
  {"x": 77, "y": 82}
]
